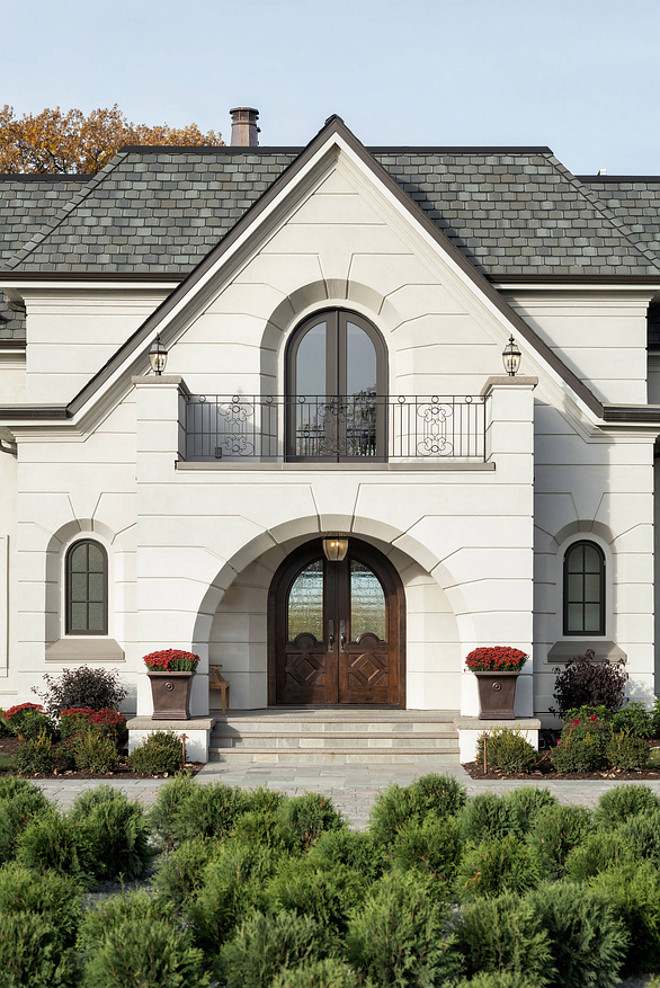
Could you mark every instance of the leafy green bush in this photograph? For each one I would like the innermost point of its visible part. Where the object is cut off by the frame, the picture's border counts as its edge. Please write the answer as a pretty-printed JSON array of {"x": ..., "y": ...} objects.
[
  {"x": 430, "y": 846},
  {"x": 97, "y": 689},
  {"x": 304, "y": 818},
  {"x": 354, "y": 848},
  {"x": 555, "y": 832},
  {"x": 79, "y": 720},
  {"x": 328, "y": 973},
  {"x": 626, "y": 751},
  {"x": 504, "y": 935},
  {"x": 633, "y": 893},
  {"x": 655, "y": 718},
  {"x": 327, "y": 895},
  {"x": 398, "y": 936},
  {"x": 583, "y": 681},
  {"x": 587, "y": 941},
  {"x": 180, "y": 874},
  {"x": 581, "y": 747},
  {"x": 36, "y": 756},
  {"x": 55, "y": 897},
  {"x": 498, "y": 979},
  {"x": 166, "y": 811},
  {"x": 33, "y": 953},
  {"x": 641, "y": 834},
  {"x": 232, "y": 885},
  {"x": 622, "y": 802},
  {"x": 20, "y": 803},
  {"x": 441, "y": 795},
  {"x": 496, "y": 865},
  {"x": 507, "y": 750},
  {"x": 94, "y": 753},
  {"x": 158, "y": 754},
  {"x": 635, "y": 716},
  {"x": 119, "y": 834},
  {"x": 489, "y": 815},
  {"x": 131, "y": 940},
  {"x": 264, "y": 945},
  {"x": 525, "y": 805}
]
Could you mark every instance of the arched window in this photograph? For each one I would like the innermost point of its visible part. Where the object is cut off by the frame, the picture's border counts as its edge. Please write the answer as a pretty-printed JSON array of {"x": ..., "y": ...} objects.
[
  {"x": 336, "y": 389},
  {"x": 86, "y": 589},
  {"x": 584, "y": 589}
]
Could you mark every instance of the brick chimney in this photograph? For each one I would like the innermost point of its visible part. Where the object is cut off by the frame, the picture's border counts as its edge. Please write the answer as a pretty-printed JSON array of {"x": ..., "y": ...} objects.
[{"x": 244, "y": 128}]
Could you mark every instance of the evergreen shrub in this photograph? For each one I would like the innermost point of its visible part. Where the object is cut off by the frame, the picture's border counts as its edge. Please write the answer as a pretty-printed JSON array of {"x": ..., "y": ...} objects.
[
  {"x": 37, "y": 756},
  {"x": 504, "y": 935},
  {"x": 555, "y": 832},
  {"x": 498, "y": 979},
  {"x": 399, "y": 936},
  {"x": 304, "y": 818},
  {"x": 497, "y": 865},
  {"x": 158, "y": 754},
  {"x": 20, "y": 803},
  {"x": 328, "y": 973},
  {"x": 441, "y": 795},
  {"x": 431, "y": 846},
  {"x": 93, "y": 752},
  {"x": 489, "y": 815},
  {"x": 633, "y": 893},
  {"x": 356, "y": 849},
  {"x": 635, "y": 716},
  {"x": 56, "y": 842},
  {"x": 185, "y": 810},
  {"x": 119, "y": 834},
  {"x": 326, "y": 895},
  {"x": 525, "y": 805},
  {"x": 33, "y": 953},
  {"x": 265, "y": 944},
  {"x": 622, "y": 802},
  {"x": 55, "y": 897},
  {"x": 599, "y": 850},
  {"x": 180, "y": 873},
  {"x": 507, "y": 750},
  {"x": 165, "y": 814},
  {"x": 587, "y": 941}
]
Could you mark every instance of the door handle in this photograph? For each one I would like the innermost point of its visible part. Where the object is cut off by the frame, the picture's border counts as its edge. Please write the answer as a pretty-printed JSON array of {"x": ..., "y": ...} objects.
[
  {"x": 331, "y": 635},
  {"x": 342, "y": 636}
]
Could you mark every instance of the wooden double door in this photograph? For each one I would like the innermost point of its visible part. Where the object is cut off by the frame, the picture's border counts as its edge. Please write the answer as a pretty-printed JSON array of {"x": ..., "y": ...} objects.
[{"x": 336, "y": 630}]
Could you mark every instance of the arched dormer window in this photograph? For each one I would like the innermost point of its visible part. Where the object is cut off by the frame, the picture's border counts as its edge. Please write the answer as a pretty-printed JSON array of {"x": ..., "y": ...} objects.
[
  {"x": 86, "y": 567},
  {"x": 336, "y": 389},
  {"x": 584, "y": 589}
]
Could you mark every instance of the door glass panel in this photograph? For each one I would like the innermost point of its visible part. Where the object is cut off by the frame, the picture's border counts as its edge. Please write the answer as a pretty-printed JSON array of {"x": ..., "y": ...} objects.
[
  {"x": 367, "y": 602},
  {"x": 305, "y": 606},
  {"x": 360, "y": 390}
]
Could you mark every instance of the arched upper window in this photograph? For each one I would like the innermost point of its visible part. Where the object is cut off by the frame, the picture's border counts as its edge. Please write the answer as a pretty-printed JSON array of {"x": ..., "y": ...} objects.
[
  {"x": 584, "y": 589},
  {"x": 86, "y": 567},
  {"x": 336, "y": 389}
]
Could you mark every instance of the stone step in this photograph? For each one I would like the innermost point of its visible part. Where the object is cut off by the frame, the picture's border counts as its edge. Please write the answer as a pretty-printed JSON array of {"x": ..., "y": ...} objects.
[
  {"x": 331, "y": 726},
  {"x": 334, "y": 740},
  {"x": 323, "y": 756}
]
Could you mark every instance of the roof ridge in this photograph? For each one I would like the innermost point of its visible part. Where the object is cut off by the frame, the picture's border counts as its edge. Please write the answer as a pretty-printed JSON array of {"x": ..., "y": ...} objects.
[
  {"x": 605, "y": 211},
  {"x": 79, "y": 197}
]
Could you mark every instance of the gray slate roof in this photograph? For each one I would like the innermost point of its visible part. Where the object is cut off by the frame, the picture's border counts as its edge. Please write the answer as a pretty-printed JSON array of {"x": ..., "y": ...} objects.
[
  {"x": 513, "y": 212},
  {"x": 635, "y": 201},
  {"x": 27, "y": 204}
]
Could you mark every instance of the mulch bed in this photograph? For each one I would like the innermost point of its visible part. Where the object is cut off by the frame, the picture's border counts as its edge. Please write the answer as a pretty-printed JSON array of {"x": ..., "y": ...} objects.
[
  {"x": 546, "y": 771},
  {"x": 10, "y": 746}
]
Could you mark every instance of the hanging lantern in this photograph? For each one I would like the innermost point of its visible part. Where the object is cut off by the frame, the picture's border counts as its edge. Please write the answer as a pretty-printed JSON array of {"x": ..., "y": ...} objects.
[{"x": 335, "y": 547}]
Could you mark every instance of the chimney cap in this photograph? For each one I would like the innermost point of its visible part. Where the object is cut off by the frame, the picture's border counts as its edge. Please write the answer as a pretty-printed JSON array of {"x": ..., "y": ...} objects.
[{"x": 244, "y": 128}]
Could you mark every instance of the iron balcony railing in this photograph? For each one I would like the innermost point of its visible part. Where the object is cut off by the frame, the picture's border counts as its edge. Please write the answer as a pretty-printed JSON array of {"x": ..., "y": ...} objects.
[{"x": 334, "y": 428}]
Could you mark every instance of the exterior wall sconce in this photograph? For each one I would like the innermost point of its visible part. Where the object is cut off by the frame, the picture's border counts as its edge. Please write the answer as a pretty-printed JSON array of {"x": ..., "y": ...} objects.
[
  {"x": 158, "y": 356},
  {"x": 511, "y": 357},
  {"x": 335, "y": 548}
]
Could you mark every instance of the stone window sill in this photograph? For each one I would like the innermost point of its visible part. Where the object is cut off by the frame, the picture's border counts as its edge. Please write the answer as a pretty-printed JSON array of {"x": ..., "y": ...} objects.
[
  {"x": 563, "y": 651},
  {"x": 83, "y": 648}
]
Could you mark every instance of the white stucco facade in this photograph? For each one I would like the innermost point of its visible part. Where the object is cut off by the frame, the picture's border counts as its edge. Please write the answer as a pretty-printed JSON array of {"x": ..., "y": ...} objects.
[{"x": 478, "y": 542}]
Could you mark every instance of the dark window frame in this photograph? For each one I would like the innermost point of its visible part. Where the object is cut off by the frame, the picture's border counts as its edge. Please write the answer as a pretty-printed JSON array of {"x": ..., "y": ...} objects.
[
  {"x": 69, "y": 629},
  {"x": 582, "y": 600},
  {"x": 336, "y": 320}
]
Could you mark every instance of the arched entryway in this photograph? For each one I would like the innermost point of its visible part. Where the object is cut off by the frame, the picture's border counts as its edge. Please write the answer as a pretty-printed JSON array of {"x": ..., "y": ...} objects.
[{"x": 336, "y": 631}]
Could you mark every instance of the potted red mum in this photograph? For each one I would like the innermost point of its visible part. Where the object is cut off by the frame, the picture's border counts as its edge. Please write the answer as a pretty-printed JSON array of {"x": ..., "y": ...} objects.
[
  {"x": 170, "y": 671},
  {"x": 497, "y": 669}
]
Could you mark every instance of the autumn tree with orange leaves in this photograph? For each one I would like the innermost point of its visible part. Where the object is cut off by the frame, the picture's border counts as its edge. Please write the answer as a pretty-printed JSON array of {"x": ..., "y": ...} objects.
[{"x": 57, "y": 142}]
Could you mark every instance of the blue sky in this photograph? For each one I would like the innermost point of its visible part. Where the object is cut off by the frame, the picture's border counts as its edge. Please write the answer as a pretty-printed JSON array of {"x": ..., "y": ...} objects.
[{"x": 581, "y": 76}]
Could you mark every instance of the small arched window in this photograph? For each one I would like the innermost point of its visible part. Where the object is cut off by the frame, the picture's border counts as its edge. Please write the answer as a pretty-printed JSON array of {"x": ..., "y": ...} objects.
[
  {"x": 336, "y": 389},
  {"x": 584, "y": 589},
  {"x": 86, "y": 589}
]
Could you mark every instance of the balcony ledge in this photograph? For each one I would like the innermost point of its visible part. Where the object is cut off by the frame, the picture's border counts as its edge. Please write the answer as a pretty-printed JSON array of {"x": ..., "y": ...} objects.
[{"x": 311, "y": 467}]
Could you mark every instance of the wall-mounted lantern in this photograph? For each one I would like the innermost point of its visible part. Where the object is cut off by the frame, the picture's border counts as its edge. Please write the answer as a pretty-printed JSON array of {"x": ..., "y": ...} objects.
[
  {"x": 335, "y": 547},
  {"x": 511, "y": 357},
  {"x": 158, "y": 356}
]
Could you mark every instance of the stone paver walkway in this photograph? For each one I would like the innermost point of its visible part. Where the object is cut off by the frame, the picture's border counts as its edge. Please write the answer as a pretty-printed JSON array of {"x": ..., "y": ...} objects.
[{"x": 352, "y": 788}]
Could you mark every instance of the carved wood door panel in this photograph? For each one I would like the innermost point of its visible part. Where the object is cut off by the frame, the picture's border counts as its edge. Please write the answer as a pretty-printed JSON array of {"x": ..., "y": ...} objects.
[{"x": 336, "y": 630}]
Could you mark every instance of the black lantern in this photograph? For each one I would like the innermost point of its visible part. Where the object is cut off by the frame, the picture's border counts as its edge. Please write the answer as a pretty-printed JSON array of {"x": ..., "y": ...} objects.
[
  {"x": 511, "y": 357},
  {"x": 158, "y": 356}
]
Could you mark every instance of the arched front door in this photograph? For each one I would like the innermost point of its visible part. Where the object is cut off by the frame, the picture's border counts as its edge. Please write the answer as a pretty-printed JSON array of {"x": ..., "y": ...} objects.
[{"x": 336, "y": 631}]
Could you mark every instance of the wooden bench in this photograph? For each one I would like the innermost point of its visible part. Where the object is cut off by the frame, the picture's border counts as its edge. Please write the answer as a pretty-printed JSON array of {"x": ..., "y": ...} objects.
[{"x": 218, "y": 682}]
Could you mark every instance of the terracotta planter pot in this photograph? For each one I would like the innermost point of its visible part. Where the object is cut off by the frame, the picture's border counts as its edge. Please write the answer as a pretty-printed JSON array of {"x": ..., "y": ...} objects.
[
  {"x": 171, "y": 694},
  {"x": 497, "y": 692}
]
